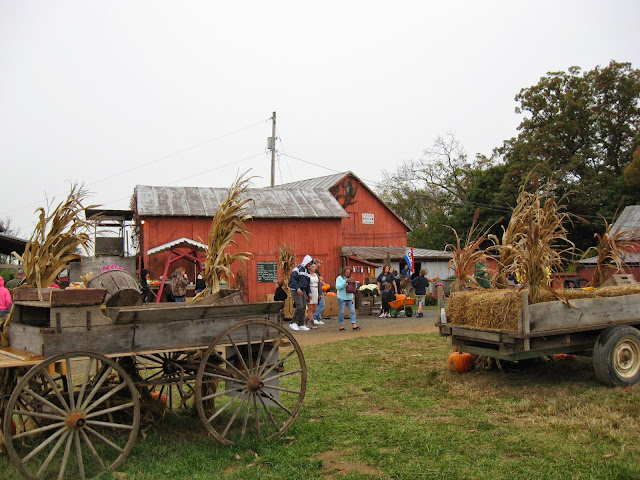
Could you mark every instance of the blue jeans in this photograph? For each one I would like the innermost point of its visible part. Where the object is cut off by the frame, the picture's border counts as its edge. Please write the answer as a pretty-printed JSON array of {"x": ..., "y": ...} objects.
[
  {"x": 318, "y": 313},
  {"x": 179, "y": 299},
  {"x": 352, "y": 310}
]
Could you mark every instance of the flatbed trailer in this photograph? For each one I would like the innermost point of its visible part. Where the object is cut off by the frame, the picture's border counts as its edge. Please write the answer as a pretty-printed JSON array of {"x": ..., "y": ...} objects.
[
  {"x": 83, "y": 370},
  {"x": 605, "y": 328}
]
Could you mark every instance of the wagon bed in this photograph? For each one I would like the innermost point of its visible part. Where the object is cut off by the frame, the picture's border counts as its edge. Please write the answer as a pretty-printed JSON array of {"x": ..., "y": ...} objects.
[{"x": 603, "y": 327}]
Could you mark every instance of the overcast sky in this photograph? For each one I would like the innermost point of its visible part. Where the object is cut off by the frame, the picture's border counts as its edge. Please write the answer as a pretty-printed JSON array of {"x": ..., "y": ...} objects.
[{"x": 120, "y": 93}]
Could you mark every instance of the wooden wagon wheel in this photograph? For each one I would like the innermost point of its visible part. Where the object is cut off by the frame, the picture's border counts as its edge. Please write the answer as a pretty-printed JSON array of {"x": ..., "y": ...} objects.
[
  {"x": 74, "y": 415},
  {"x": 264, "y": 381},
  {"x": 170, "y": 376}
]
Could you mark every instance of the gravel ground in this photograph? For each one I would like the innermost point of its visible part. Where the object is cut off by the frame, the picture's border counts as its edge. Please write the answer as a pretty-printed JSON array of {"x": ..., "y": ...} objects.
[{"x": 370, "y": 326}]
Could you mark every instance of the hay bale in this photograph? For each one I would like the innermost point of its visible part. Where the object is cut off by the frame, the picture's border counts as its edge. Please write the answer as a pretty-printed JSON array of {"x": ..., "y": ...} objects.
[{"x": 498, "y": 309}]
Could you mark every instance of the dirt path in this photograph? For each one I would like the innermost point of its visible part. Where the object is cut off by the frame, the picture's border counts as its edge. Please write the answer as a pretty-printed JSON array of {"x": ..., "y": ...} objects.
[{"x": 370, "y": 327}]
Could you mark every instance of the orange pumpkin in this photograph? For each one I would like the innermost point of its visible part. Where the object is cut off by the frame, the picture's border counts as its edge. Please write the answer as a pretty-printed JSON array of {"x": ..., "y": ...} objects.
[
  {"x": 331, "y": 294},
  {"x": 156, "y": 282},
  {"x": 326, "y": 287},
  {"x": 461, "y": 362},
  {"x": 161, "y": 399}
]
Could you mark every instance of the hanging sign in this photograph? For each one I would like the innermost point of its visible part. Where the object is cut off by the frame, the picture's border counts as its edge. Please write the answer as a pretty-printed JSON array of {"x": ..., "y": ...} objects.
[
  {"x": 368, "y": 218},
  {"x": 267, "y": 272}
]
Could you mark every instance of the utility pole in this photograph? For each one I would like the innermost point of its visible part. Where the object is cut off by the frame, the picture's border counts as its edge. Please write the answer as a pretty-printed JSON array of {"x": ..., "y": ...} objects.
[{"x": 273, "y": 149}]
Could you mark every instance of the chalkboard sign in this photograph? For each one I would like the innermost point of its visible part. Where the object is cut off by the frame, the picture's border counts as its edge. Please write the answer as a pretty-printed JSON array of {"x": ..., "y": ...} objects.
[{"x": 267, "y": 271}]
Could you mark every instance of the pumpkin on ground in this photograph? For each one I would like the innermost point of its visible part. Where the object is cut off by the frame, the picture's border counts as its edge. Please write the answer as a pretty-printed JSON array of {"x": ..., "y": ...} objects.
[
  {"x": 160, "y": 398},
  {"x": 461, "y": 362}
]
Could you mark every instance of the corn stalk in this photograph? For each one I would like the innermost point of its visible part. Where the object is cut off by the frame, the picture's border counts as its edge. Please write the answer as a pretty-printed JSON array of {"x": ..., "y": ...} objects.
[
  {"x": 287, "y": 261},
  {"x": 466, "y": 254},
  {"x": 610, "y": 250},
  {"x": 229, "y": 221}
]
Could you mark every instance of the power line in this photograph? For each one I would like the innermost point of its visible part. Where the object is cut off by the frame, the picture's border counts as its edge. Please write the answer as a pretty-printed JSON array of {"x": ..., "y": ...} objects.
[{"x": 145, "y": 164}]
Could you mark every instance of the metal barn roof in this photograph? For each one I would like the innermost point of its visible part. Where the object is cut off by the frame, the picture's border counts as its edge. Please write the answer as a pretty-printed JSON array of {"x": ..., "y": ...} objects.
[
  {"x": 396, "y": 253},
  {"x": 267, "y": 202},
  {"x": 9, "y": 243},
  {"x": 323, "y": 183},
  {"x": 629, "y": 219}
]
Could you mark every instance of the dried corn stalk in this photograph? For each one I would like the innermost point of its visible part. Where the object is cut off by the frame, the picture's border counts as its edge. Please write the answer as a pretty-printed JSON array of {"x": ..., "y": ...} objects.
[
  {"x": 541, "y": 242},
  {"x": 287, "y": 261},
  {"x": 610, "y": 250},
  {"x": 465, "y": 256},
  {"x": 228, "y": 221}
]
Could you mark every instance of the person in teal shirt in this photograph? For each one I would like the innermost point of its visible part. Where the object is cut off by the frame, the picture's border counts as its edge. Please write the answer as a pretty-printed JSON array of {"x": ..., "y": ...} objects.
[{"x": 345, "y": 299}]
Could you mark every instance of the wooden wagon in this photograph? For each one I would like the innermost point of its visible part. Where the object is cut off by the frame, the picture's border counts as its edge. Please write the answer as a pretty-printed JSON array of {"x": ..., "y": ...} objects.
[
  {"x": 605, "y": 328},
  {"x": 84, "y": 370}
]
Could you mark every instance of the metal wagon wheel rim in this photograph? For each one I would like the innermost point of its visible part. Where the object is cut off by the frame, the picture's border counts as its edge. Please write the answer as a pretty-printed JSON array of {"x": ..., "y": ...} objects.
[
  {"x": 252, "y": 399},
  {"x": 626, "y": 358},
  {"x": 73, "y": 424}
]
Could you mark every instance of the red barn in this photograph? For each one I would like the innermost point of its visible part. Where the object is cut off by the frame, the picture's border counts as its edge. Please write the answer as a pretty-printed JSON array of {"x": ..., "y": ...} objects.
[{"x": 316, "y": 217}]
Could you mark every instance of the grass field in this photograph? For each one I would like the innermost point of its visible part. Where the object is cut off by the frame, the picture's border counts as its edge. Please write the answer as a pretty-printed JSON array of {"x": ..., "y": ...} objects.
[{"x": 388, "y": 407}]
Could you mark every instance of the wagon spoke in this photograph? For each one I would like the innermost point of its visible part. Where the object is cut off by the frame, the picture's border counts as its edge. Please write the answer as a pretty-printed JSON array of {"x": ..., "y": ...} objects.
[
  {"x": 92, "y": 449},
  {"x": 43, "y": 400},
  {"x": 221, "y": 409},
  {"x": 85, "y": 380},
  {"x": 55, "y": 388},
  {"x": 227, "y": 378},
  {"x": 106, "y": 396},
  {"x": 104, "y": 439},
  {"x": 122, "y": 426},
  {"x": 250, "y": 352},
  {"x": 260, "y": 350},
  {"x": 65, "y": 457},
  {"x": 280, "y": 362},
  {"x": 218, "y": 394},
  {"x": 36, "y": 431},
  {"x": 96, "y": 387},
  {"x": 235, "y": 414},
  {"x": 266, "y": 409},
  {"x": 274, "y": 348},
  {"x": 79, "y": 454},
  {"x": 257, "y": 415},
  {"x": 72, "y": 400},
  {"x": 235, "y": 347},
  {"x": 37, "y": 450},
  {"x": 273, "y": 399},
  {"x": 280, "y": 375},
  {"x": 282, "y": 389},
  {"x": 124, "y": 406},
  {"x": 245, "y": 421},
  {"x": 233, "y": 367},
  {"x": 52, "y": 453},
  {"x": 31, "y": 413}
]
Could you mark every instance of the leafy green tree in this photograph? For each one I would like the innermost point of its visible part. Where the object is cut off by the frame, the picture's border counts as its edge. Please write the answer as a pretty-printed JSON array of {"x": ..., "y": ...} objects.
[{"x": 579, "y": 132}]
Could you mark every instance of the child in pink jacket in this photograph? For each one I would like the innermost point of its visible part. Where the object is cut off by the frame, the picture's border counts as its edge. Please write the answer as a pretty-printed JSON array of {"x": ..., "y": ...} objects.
[{"x": 5, "y": 299}]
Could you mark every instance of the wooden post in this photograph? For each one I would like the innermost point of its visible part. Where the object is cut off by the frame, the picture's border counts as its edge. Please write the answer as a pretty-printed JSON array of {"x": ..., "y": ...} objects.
[
  {"x": 524, "y": 317},
  {"x": 440, "y": 301}
]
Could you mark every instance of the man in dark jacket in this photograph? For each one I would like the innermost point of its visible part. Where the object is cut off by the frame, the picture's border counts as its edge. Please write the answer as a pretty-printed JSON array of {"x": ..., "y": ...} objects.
[
  {"x": 421, "y": 283},
  {"x": 300, "y": 291}
]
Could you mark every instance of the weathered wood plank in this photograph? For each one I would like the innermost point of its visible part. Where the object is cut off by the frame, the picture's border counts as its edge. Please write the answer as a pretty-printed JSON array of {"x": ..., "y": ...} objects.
[
  {"x": 146, "y": 336},
  {"x": 173, "y": 312},
  {"x": 548, "y": 316},
  {"x": 26, "y": 337},
  {"x": 78, "y": 296}
]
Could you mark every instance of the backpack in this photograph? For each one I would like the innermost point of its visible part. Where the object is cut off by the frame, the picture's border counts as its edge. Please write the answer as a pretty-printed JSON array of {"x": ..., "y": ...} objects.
[{"x": 351, "y": 285}]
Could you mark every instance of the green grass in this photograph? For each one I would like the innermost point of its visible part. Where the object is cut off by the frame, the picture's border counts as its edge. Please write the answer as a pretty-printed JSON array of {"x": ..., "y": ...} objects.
[{"x": 388, "y": 407}]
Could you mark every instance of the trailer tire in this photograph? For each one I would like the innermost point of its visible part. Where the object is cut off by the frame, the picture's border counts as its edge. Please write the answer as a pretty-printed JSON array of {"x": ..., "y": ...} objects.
[{"x": 616, "y": 356}]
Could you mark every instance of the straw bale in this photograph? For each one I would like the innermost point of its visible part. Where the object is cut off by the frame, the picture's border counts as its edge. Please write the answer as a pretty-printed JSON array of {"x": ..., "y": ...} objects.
[{"x": 498, "y": 309}]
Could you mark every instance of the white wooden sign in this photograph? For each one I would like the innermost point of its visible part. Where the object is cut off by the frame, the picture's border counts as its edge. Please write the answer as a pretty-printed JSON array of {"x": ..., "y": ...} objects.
[{"x": 368, "y": 218}]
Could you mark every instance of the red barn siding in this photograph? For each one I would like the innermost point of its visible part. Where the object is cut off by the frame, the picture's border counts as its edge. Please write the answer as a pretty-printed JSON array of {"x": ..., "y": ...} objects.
[
  {"x": 387, "y": 230},
  {"x": 319, "y": 238}
]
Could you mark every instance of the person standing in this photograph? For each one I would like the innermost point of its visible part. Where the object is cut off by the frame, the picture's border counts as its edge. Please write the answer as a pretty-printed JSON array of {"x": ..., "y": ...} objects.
[
  {"x": 299, "y": 286},
  {"x": 179, "y": 282},
  {"x": 420, "y": 283},
  {"x": 280, "y": 294},
  {"x": 345, "y": 299},
  {"x": 200, "y": 283},
  {"x": 315, "y": 287},
  {"x": 146, "y": 291},
  {"x": 386, "y": 277},
  {"x": 387, "y": 297},
  {"x": 317, "y": 315},
  {"x": 5, "y": 299}
]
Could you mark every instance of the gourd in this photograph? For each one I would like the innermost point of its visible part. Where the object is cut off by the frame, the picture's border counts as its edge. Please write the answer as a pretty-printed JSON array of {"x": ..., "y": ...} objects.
[{"x": 461, "y": 362}]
